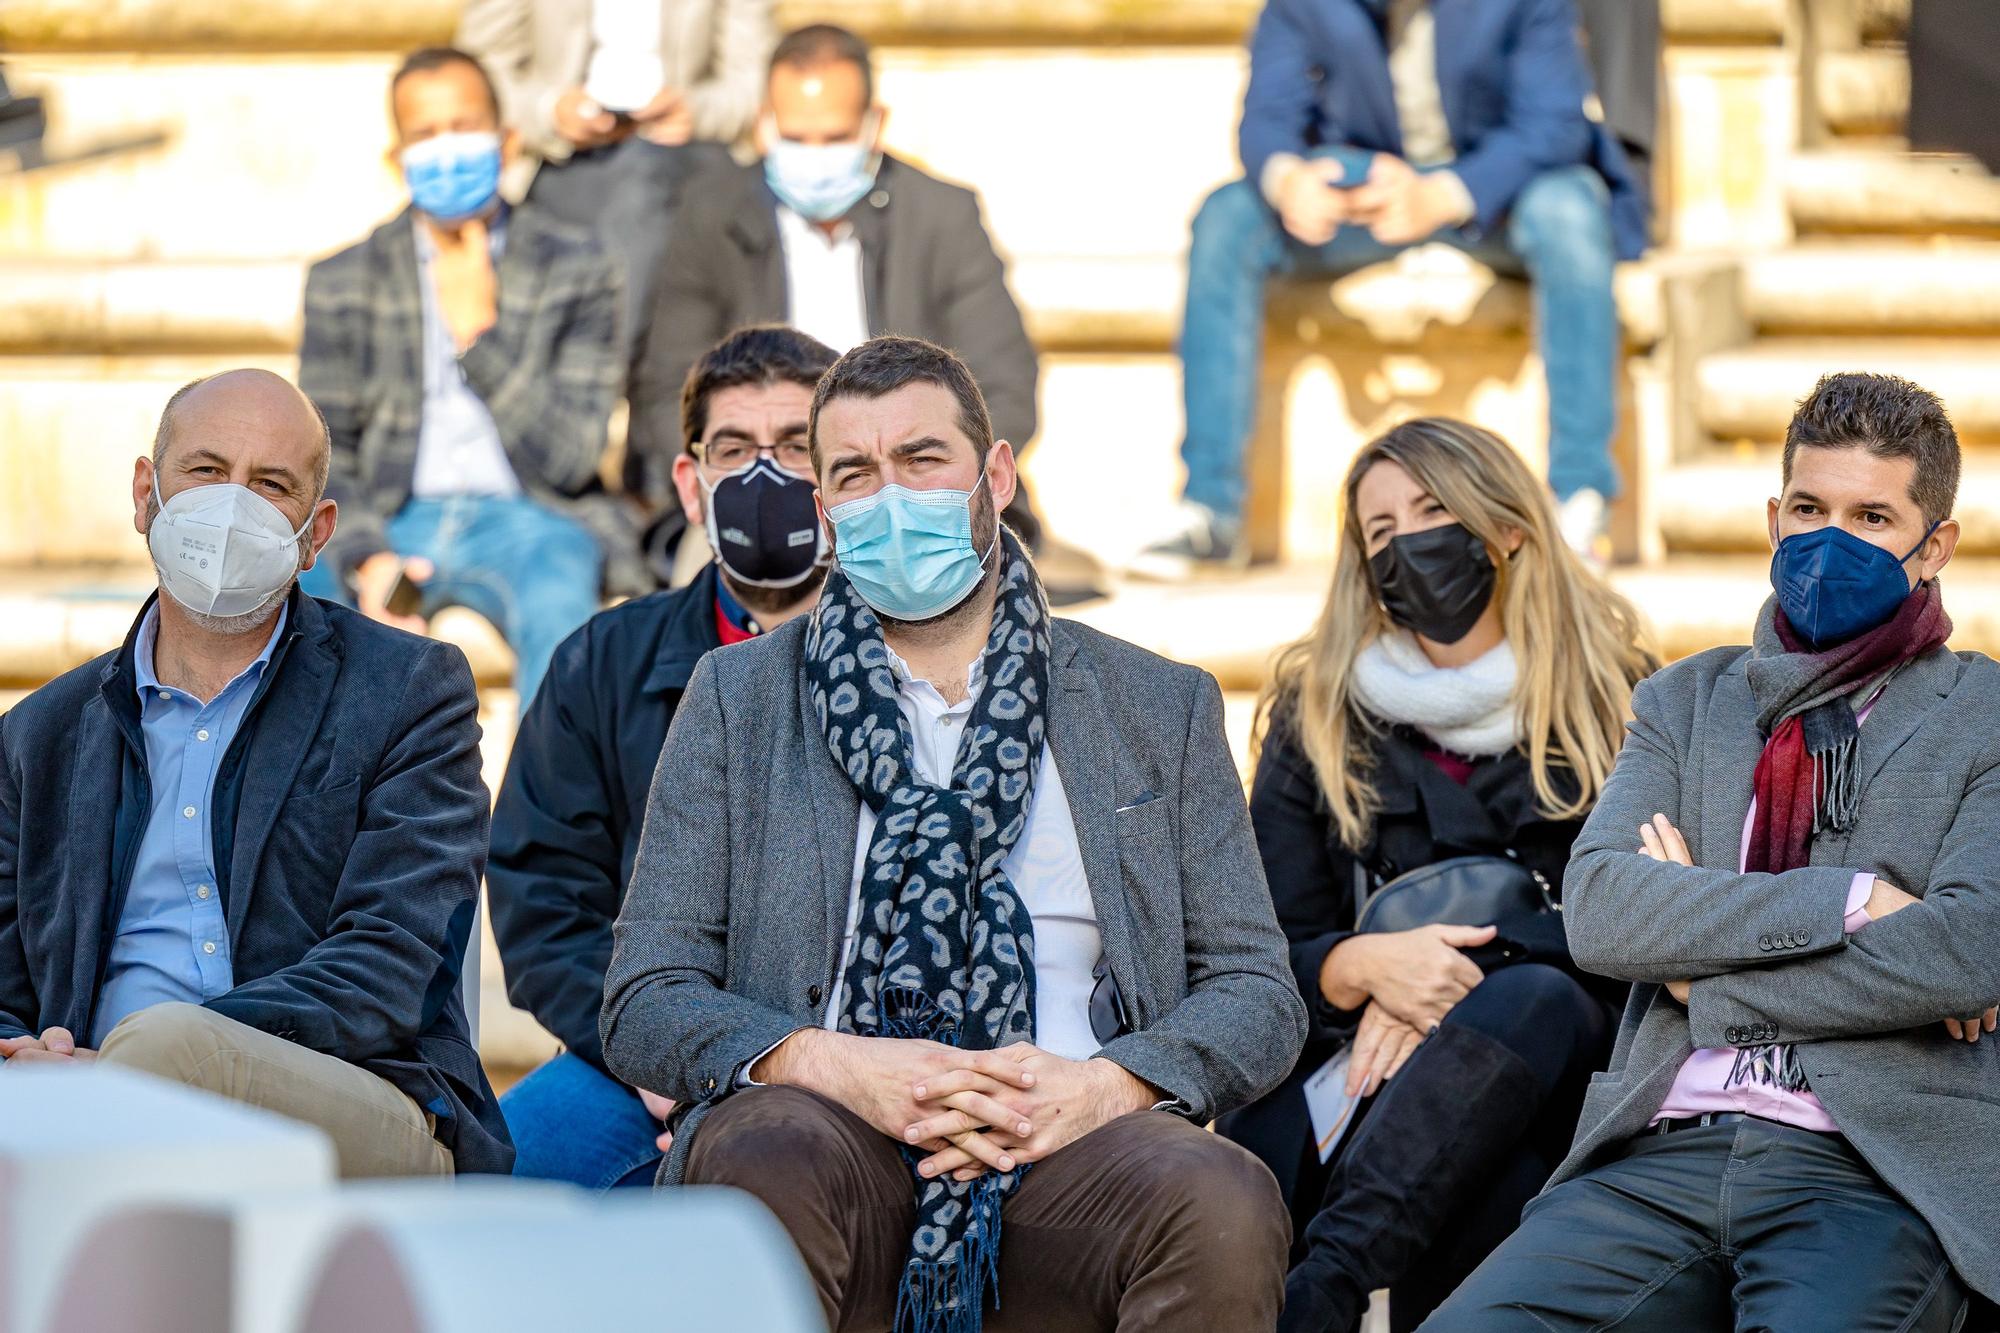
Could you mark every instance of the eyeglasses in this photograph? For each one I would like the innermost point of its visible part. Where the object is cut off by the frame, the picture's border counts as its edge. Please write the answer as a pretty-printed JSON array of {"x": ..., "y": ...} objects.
[{"x": 733, "y": 455}]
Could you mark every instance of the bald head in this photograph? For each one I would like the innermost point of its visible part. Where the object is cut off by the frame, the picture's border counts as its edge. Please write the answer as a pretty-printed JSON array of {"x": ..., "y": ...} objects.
[{"x": 250, "y": 417}]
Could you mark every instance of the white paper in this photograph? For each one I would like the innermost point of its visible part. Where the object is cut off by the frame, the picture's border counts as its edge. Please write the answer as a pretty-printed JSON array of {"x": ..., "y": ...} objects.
[{"x": 1327, "y": 1101}]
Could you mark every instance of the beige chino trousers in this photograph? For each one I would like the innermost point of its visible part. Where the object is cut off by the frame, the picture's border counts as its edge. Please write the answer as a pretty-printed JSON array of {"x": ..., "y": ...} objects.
[{"x": 376, "y": 1129}]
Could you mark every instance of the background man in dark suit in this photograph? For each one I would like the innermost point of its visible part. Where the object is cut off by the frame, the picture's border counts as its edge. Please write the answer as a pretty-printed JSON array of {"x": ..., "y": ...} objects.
[
  {"x": 243, "y": 850},
  {"x": 837, "y": 238}
]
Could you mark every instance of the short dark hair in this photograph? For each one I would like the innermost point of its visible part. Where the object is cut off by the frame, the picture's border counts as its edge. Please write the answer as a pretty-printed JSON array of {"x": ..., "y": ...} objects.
[
  {"x": 1889, "y": 417},
  {"x": 430, "y": 59},
  {"x": 760, "y": 354},
  {"x": 826, "y": 44},
  {"x": 883, "y": 365}
]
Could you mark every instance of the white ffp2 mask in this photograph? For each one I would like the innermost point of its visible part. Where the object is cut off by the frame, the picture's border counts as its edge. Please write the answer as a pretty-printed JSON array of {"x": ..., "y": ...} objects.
[{"x": 223, "y": 549}]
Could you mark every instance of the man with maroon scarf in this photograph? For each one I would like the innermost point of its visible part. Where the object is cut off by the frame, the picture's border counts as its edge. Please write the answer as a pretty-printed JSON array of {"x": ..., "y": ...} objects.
[{"x": 1797, "y": 861}]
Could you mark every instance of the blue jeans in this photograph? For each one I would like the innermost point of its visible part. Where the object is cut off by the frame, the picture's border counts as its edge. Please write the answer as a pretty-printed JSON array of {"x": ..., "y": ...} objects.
[
  {"x": 1558, "y": 235},
  {"x": 572, "y": 1121},
  {"x": 524, "y": 567}
]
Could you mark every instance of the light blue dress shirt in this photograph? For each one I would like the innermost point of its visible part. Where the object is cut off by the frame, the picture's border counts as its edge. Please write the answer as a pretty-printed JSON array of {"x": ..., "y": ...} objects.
[
  {"x": 173, "y": 940},
  {"x": 459, "y": 451}
]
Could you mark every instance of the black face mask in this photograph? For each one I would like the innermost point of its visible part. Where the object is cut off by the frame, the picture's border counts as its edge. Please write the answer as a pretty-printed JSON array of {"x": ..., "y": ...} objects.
[
  {"x": 764, "y": 526},
  {"x": 1435, "y": 583}
]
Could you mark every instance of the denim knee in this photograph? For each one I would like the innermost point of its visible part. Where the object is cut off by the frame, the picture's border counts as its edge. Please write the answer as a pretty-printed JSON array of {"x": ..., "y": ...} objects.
[
  {"x": 1563, "y": 218},
  {"x": 1228, "y": 226}
]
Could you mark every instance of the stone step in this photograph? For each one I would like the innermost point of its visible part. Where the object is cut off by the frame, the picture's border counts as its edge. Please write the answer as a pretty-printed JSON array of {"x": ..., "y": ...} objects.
[
  {"x": 1882, "y": 190},
  {"x": 1749, "y": 393},
  {"x": 1717, "y": 504},
  {"x": 1932, "y": 286},
  {"x": 1865, "y": 91}
]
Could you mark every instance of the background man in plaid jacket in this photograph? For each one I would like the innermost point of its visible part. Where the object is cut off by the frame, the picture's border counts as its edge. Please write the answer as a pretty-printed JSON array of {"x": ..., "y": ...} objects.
[{"x": 466, "y": 358}]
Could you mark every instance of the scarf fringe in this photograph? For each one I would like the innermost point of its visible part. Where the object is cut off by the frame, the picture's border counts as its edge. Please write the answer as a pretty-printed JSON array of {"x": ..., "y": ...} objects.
[
  {"x": 1837, "y": 786},
  {"x": 1772, "y": 1066},
  {"x": 950, "y": 1297}
]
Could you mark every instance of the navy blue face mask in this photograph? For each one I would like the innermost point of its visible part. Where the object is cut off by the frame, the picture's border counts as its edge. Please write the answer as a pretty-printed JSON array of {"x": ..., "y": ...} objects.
[{"x": 1833, "y": 586}]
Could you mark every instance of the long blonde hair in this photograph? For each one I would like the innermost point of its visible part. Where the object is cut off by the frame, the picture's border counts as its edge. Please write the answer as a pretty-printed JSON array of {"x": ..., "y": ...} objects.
[{"x": 1579, "y": 644}]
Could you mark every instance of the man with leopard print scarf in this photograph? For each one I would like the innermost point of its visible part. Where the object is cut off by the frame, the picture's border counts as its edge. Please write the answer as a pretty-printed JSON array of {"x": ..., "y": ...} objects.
[{"x": 947, "y": 925}]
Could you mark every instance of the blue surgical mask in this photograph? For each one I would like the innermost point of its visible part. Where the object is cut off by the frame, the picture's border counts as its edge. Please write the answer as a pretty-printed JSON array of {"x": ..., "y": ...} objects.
[
  {"x": 1833, "y": 586},
  {"x": 909, "y": 553},
  {"x": 453, "y": 177},
  {"x": 820, "y": 182}
]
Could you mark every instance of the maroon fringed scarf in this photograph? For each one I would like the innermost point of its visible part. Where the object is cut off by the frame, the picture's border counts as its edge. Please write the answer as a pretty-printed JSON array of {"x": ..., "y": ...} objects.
[{"x": 1807, "y": 779}]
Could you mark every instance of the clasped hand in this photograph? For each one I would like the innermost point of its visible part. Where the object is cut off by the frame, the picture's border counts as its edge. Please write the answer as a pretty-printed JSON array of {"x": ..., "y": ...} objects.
[
  {"x": 1661, "y": 841},
  {"x": 55, "y": 1046}
]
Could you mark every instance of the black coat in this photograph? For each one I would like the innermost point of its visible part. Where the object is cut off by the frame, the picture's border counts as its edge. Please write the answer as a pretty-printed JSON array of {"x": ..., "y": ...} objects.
[
  {"x": 1425, "y": 817},
  {"x": 929, "y": 270},
  {"x": 566, "y": 827},
  {"x": 349, "y": 831}
]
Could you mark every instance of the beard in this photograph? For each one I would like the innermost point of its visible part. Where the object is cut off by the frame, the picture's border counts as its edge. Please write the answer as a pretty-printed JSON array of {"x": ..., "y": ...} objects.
[
  {"x": 769, "y": 601},
  {"x": 986, "y": 538},
  {"x": 245, "y": 622}
]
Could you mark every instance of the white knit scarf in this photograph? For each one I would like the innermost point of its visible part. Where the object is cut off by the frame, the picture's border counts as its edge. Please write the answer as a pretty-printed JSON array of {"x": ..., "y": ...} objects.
[{"x": 1468, "y": 710}]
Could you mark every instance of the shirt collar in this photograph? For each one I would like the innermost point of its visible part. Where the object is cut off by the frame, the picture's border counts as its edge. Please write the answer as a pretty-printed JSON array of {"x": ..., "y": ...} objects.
[
  {"x": 975, "y": 678},
  {"x": 734, "y": 611},
  {"x": 149, "y": 633}
]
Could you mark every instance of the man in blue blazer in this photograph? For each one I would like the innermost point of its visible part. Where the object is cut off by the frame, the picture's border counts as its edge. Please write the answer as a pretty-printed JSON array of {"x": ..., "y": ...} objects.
[
  {"x": 242, "y": 851},
  {"x": 1373, "y": 125}
]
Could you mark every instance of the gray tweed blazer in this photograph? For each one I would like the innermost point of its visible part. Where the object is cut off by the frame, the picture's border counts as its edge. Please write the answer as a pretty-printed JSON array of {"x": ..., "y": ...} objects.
[
  {"x": 1767, "y": 952},
  {"x": 731, "y": 929}
]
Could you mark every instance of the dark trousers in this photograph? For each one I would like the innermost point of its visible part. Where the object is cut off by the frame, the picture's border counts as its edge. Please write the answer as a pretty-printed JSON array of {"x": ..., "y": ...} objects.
[
  {"x": 1748, "y": 1225},
  {"x": 1148, "y": 1223}
]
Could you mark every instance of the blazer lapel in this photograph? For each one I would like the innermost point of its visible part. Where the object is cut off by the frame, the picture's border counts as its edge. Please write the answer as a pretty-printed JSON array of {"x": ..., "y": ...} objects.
[
  {"x": 519, "y": 275},
  {"x": 1086, "y": 757},
  {"x": 1732, "y": 746},
  {"x": 870, "y": 220},
  {"x": 836, "y": 810},
  {"x": 283, "y": 722},
  {"x": 1906, "y": 702},
  {"x": 400, "y": 306},
  {"x": 1367, "y": 64}
]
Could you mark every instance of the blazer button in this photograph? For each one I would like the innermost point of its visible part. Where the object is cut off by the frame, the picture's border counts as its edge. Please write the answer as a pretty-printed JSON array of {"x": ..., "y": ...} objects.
[
  {"x": 1805, "y": 938},
  {"x": 1764, "y": 943},
  {"x": 708, "y": 1085},
  {"x": 1732, "y": 1035},
  {"x": 812, "y": 995}
]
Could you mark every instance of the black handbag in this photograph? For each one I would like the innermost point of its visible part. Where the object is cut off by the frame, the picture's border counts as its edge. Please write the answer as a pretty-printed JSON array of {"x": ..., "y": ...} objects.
[{"x": 1474, "y": 891}]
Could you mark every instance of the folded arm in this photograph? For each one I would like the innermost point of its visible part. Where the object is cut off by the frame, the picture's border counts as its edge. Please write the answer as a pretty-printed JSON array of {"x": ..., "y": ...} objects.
[
  {"x": 669, "y": 1023},
  {"x": 1932, "y": 960},
  {"x": 402, "y": 909},
  {"x": 1637, "y": 919},
  {"x": 1239, "y": 1030}
]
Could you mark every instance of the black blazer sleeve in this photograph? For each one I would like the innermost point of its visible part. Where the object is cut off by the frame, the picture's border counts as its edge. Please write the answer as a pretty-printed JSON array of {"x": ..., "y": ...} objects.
[
  {"x": 977, "y": 318},
  {"x": 554, "y": 878},
  {"x": 692, "y": 309},
  {"x": 1312, "y": 883}
]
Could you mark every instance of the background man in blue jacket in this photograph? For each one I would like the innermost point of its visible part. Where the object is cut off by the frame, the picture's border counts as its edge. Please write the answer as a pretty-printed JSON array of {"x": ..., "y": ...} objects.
[
  {"x": 566, "y": 829},
  {"x": 243, "y": 850},
  {"x": 1373, "y": 125}
]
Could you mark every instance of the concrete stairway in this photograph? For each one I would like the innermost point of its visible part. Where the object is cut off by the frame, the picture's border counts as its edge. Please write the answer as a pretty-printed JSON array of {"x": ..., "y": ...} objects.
[{"x": 1889, "y": 260}]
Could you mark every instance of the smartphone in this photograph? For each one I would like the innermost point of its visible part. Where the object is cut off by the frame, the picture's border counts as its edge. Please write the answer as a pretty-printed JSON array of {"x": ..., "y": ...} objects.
[{"x": 406, "y": 596}]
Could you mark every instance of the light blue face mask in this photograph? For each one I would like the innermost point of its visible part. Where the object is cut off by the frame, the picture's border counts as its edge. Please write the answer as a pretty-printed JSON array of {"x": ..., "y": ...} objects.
[
  {"x": 820, "y": 182},
  {"x": 453, "y": 177},
  {"x": 909, "y": 553}
]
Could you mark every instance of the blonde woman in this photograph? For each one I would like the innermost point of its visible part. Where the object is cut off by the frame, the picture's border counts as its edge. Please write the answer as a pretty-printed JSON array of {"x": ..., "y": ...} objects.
[{"x": 1464, "y": 694}]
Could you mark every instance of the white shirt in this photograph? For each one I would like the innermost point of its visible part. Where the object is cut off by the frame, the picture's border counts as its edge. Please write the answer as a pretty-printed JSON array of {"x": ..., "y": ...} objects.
[
  {"x": 1045, "y": 866},
  {"x": 459, "y": 451},
  {"x": 823, "y": 281},
  {"x": 626, "y": 70}
]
